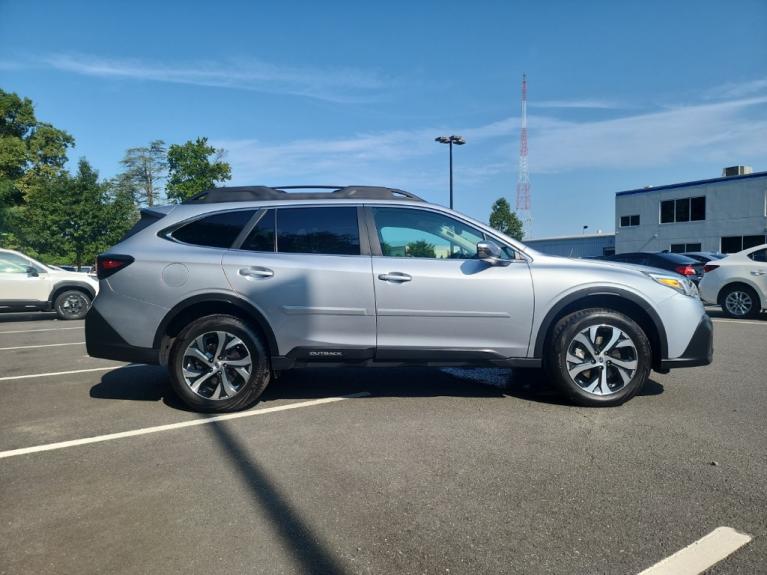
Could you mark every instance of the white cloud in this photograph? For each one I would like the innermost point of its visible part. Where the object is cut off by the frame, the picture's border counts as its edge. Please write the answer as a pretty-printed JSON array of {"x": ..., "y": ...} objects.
[
  {"x": 732, "y": 90},
  {"x": 342, "y": 85},
  {"x": 585, "y": 104}
]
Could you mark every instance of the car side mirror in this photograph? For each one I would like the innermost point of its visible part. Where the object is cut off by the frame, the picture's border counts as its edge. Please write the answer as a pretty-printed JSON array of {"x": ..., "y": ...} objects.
[
  {"x": 32, "y": 272},
  {"x": 490, "y": 253}
]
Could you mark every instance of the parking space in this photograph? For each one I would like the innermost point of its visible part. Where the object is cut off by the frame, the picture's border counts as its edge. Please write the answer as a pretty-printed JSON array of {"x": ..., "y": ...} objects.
[{"x": 391, "y": 471}]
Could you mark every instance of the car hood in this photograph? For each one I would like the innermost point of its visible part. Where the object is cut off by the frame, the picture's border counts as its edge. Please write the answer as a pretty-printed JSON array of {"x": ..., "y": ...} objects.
[
  {"x": 606, "y": 264},
  {"x": 63, "y": 275}
]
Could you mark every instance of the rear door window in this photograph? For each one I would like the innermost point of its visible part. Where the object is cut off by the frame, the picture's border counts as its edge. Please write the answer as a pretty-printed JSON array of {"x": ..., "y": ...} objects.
[
  {"x": 261, "y": 237},
  {"x": 318, "y": 230},
  {"x": 216, "y": 231}
]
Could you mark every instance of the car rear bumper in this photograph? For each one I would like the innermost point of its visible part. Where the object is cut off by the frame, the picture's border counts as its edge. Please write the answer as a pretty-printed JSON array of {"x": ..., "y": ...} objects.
[
  {"x": 103, "y": 341},
  {"x": 700, "y": 350}
]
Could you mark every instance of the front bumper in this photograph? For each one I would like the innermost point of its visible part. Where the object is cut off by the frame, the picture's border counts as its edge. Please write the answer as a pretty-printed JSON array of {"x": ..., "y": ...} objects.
[
  {"x": 700, "y": 350},
  {"x": 101, "y": 340}
]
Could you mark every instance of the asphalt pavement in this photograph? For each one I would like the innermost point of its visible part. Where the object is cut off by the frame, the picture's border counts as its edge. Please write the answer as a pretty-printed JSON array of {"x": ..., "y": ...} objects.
[{"x": 424, "y": 471}]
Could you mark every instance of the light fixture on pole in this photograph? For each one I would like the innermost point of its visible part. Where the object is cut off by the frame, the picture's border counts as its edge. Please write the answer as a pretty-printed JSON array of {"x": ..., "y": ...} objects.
[{"x": 450, "y": 140}]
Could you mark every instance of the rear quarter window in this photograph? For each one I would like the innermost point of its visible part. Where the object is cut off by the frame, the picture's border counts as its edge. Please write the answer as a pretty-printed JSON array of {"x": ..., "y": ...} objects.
[{"x": 215, "y": 231}]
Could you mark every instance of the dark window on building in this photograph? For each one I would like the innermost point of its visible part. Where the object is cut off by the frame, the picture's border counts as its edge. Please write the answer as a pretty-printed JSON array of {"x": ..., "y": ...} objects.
[
  {"x": 216, "y": 231},
  {"x": 608, "y": 251},
  {"x": 759, "y": 255},
  {"x": 667, "y": 212},
  {"x": 752, "y": 241},
  {"x": 628, "y": 221},
  {"x": 635, "y": 220},
  {"x": 683, "y": 248},
  {"x": 698, "y": 208},
  {"x": 261, "y": 238},
  {"x": 332, "y": 231},
  {"x": 731, "y": 244},
  {"x": 683, "y": 210}
]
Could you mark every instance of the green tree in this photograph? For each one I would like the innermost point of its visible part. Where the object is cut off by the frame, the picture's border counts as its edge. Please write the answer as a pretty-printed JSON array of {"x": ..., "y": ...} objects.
[
  {"x": 421, "y": 249},
  {"x": 506, "y": 221},
  {"x": 145, "y": 168},
  {"x": 74, "y": 218},
  {"x": 194, "y": 167},
  {"x": 30, "y": 153}
]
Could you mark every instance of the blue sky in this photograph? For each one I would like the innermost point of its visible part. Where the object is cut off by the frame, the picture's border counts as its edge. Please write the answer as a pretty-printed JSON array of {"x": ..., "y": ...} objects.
[{"x": 621, "y": 94}]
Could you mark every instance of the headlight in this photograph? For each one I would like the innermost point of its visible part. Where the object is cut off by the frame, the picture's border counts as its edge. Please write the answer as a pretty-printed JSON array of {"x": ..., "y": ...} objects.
[{"x": 682, "y": 285}]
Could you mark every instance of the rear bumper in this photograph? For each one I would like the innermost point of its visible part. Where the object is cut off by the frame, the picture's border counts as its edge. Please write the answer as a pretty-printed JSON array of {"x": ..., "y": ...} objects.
[
  {"x": 101, "y": 340},
  {"x": 700, "y": 350}
]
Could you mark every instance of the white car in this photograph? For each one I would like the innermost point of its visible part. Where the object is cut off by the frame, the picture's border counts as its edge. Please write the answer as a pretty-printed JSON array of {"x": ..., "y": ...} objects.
[
  {"x": 28, "y": 285},
  {"x": 738, "y": 282}
]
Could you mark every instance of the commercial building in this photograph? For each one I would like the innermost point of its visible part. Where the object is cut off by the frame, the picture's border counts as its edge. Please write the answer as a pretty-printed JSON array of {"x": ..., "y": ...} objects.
[
  {"x": 725, "y": 214},
  {"x": 582, "y": 246}
]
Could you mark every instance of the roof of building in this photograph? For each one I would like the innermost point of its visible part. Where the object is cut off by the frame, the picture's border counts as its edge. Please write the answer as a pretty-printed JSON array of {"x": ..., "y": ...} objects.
[
  {"x": 694, "y": 183},
  {"x": 573, "y": 237}
]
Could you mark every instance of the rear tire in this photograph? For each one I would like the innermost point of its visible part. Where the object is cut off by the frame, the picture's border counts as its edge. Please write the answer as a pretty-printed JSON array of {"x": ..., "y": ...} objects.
[
  {"x": 598, "y": 357},
  {"x": 72, "y": 304},
  {"x": 739, "y": 302},
  {"x": 219, "y": 364}
]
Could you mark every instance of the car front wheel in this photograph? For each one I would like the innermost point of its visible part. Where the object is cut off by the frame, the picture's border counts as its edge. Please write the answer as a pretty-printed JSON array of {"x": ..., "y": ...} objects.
[
  {"x": 598, "y": 357},
  {"x": 739, "y": 301},
  {"x": 219, "y": 364}
]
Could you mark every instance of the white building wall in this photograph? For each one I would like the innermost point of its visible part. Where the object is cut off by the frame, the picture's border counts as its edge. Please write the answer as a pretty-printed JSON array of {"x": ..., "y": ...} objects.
[{"x": 734, "y": 206}]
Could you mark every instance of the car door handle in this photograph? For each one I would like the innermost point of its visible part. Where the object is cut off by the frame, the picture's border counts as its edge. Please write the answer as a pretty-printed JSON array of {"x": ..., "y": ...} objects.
[
  {"x": 758, "y": 273},
  {"x": 397, "y": 277},
  {"x": 255, "y": 272}
]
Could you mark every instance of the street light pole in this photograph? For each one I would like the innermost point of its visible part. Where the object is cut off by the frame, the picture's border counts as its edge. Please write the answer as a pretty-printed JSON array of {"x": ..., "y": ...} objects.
[{"x": 450, "y": 140}]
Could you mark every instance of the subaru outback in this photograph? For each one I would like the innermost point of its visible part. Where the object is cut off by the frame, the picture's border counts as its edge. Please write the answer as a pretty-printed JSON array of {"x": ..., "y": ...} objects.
[{"x": 237, "y": 284}]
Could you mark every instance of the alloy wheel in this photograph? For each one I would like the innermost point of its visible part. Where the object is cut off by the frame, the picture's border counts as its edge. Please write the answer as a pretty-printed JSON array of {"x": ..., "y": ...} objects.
[
  {"x": 73, "y": 305},
  {"x": 216, "y": 365},
  {"x": 738, "y": 303},
  {"x": 602, "y": 359}
]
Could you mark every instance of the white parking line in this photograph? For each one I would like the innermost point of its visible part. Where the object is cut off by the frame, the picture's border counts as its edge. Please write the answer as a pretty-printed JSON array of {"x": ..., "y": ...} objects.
[
  {"x": 172, "y": 426},
  {"x": 47, "y": 329},
  {"x": 739, "y": 321},
  {"x": 36, "y": 346},
  {"x": 702, "y": 554},
  {"x": 33, "y": 375}
]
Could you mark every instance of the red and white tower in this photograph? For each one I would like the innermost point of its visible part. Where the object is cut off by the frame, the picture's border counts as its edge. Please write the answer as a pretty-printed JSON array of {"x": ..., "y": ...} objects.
[{"x": 523, "y": 178}]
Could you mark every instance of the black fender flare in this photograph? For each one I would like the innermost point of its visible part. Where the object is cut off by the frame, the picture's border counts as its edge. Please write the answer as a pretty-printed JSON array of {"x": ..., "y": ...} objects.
[
  {"x": 248, "y": 309},
  {"x": 571, "y": 298},
  {"x": 70, "y": 284}
]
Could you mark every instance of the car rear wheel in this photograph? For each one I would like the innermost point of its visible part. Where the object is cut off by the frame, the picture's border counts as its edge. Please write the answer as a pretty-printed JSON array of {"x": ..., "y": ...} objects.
[
  {"x": 219, "y": 364},
  {"x": 739, "y": 301},
  {"x": 598, "y": 357},
  {"x": 72, "y": 304}
]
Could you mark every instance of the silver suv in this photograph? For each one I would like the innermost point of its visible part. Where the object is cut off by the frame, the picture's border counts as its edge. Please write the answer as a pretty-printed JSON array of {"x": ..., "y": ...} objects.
[{"x": 239, "y": 283}]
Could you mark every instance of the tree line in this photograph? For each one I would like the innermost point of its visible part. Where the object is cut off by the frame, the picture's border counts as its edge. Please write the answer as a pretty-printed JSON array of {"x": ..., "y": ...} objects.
[{"x": 62, "y": 217}]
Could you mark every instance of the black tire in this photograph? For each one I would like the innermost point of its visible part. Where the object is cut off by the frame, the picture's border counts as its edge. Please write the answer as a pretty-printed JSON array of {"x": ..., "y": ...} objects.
[
  {"x": 742, "y": 294},
  {"x": 563, "y": 339},
  {"x": 248, "y": 390},
  {"x": 72, "y": 304}
]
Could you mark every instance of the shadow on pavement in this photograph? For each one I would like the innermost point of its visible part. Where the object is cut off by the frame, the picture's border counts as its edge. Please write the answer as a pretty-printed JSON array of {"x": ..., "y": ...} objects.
[
  {"x": 717, "y": 312},
  {"x": 9, "y": 317},
  {"x": 297, "y": 536},
  {"x": 150, "y": 383}
]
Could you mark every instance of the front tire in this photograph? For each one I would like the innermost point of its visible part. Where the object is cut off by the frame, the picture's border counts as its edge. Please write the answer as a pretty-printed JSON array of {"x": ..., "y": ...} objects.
[
  {"x": 739, "y": 301},
  {"x": 598, "y": 357},
  {"x": 219, "y": 364},
  {"x": 72, "y": 304}
]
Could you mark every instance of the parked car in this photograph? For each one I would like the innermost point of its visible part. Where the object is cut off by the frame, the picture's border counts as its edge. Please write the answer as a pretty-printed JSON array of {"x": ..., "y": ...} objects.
[
  {"x": 683, "y": 265},
  {"x": 704, "y": 257},
  {"x": 28, "y": 285},
  {"x": 738, "y": 282},
  {"x": 239, "y": 283}
]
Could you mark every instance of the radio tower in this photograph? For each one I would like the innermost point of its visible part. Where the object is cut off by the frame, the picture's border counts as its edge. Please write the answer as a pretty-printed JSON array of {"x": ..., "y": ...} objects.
[{"x": 523, "y": 179}]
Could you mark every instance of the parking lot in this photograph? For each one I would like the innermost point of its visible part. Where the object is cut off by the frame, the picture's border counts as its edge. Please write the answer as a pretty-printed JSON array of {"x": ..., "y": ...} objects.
[{"x": 373, "y": 471}]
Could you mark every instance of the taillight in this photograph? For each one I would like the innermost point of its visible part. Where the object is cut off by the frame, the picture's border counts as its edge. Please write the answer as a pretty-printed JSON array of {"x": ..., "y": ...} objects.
[
  {"x": 108, "y": 264},
  {"x": 709, "y": 268},
  {"x": 685, "y": 270}
]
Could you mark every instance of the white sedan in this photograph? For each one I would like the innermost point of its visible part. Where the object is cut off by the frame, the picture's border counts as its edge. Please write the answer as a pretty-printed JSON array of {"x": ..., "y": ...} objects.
[{"x": 738, "y": 282}]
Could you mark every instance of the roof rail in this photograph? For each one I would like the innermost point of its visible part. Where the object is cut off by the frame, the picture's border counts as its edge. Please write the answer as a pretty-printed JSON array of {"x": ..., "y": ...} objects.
[{"x": 262, "y": 193}]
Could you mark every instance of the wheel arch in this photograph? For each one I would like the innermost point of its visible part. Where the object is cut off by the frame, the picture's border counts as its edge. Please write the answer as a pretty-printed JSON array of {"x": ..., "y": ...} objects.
[
  {"x": 623, "y": 301},
  {"x": 740, "y": 282},
  {"x": 63, "y": 286},
  {"x": 207, "y": 304}
]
